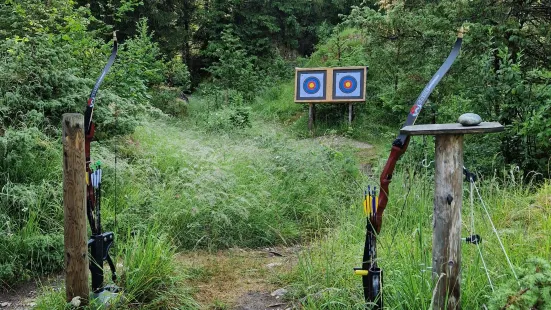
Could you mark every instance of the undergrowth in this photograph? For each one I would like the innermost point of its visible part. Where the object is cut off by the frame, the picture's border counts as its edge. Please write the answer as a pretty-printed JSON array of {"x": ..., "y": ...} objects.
[{"x": 324, "y": 279}]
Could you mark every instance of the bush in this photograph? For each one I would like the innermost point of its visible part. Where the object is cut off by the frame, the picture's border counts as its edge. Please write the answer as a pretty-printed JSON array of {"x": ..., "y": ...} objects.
[
  {"x": 177, "y": 74},
  {"x": 167, "y": 101},
  {"x": 534, "y": 291}
]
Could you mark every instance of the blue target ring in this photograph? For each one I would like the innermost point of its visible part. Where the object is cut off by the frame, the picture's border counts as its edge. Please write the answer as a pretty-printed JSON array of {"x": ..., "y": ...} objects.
[
  {"x": 311, "y": 85},
  {"x": 348, "y": 84}
]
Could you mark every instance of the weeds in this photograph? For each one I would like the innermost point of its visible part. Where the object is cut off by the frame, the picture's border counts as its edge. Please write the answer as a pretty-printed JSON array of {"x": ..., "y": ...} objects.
[{"x": 324, "y": 279}]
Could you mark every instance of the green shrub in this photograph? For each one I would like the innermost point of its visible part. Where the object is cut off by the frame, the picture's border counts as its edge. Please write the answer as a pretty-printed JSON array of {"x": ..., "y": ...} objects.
[
  {"x": 167, "y": 101},
  {"x": 534, "y": 291},
  {"x": 177, "y": 74},
  {"x": 27, "y": 255}
]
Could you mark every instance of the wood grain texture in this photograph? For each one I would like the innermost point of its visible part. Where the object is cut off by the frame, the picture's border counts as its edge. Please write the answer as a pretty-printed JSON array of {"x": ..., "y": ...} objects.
[
  {"x": 449, "y": 129},
  {"x": 74, "y": 207},
  {"x": 446, "y": 238}
]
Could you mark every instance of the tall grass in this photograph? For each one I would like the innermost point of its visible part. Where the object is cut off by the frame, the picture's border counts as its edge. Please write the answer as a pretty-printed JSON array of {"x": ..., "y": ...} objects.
[
  {"x": 148, "y": 277},
  {"x": 243, "y": 188},
  {"x": 323, "y": 278}
]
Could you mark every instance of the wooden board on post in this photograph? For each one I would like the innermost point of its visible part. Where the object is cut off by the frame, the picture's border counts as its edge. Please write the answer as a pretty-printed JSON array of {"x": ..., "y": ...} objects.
[
  {"x": 448, "y": 200},
  {"x": 74, "y": 207}
]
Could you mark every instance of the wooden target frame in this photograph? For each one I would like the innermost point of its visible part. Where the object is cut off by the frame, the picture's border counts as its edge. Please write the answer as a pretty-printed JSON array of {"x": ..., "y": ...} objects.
[
  {"x": 338, "y": 85},
  {"x": 331, "y": 90}
]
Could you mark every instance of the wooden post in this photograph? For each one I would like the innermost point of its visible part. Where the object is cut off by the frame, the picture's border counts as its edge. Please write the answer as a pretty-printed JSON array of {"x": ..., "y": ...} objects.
[
  {"x": 74, "y": 203},
  {"x": 446, "y": 238},
  {"x": 448, "y": 176},
  {"x": 311, "y": 117},
  {"x": 350, "y": 113}
]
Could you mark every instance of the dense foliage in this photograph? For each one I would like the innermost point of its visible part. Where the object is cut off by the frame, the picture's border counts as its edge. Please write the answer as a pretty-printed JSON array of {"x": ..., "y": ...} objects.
[
  {"x": 265, "y": 186},
  {"x": 503, "y": 73},
  {"x": 49, "y": 62}
]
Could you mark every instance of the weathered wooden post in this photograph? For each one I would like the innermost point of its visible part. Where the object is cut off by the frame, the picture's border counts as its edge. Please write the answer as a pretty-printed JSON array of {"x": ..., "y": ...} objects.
[
  {"x": 74, "y": 203},
  {"x": 311, "y": 116},
  {"x": 448, "y": 175},
  {"x": 350, "y": 113}
]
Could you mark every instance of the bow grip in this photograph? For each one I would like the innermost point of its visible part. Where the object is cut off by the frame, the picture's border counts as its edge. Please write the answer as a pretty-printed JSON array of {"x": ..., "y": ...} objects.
[{"x": 386, "y": 177}]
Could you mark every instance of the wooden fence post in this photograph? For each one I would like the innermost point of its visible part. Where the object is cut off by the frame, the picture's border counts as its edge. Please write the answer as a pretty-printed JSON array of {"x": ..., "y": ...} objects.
[
  {"x": 446, "y": 236},
  {"x": 448, "y": 199},
  {"x": 74, "y": 207}
]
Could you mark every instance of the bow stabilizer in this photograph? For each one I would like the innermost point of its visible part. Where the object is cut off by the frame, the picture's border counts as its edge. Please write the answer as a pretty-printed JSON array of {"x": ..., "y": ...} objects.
[
  {"x": 99, "y": 243},
  {"x": 372, "y": 275}
]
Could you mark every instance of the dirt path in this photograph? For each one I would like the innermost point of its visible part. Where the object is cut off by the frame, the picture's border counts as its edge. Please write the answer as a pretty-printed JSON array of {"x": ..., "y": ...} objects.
[
  {"x": 365, "y": 152},
  {"x": 23, "y": 296},
  {"x": 239, "y": 279}
]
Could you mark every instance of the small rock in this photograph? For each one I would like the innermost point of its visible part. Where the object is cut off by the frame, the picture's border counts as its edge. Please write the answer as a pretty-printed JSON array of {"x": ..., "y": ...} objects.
[
  {"x": 32, "y": 304},
  {"x": 279, "y": 292},
  {"x": 75, "y": 301},
  {"x": 276, "y": 305},
  {"x": 5, "y": 304},
  {"x": 469, "y": 119},
  {"x": 272, "y": 265}
]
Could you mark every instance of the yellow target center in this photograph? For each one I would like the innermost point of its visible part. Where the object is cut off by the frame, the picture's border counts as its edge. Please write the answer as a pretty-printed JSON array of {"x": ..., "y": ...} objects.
[
  {"x": 347, "y": 84},
  {"x": 311, "y": 85}
]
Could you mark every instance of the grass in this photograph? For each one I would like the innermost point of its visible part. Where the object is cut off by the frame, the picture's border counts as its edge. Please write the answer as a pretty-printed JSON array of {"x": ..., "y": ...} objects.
[
  {"x": 192, "y": 184},
  {"x": 248, "y": 188},
  {"x": 240, "y": 176},
  {"x": 324, "y": 280}
]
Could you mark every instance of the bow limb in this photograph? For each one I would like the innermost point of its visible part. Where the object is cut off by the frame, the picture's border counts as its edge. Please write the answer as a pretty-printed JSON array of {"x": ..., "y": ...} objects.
[
  {"x": 386, "y": 177},
  {"x": 89, "y": 130},
  {"x": 400, "y": 144}
]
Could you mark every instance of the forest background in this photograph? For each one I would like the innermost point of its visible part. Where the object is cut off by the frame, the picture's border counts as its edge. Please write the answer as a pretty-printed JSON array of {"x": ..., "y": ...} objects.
[{"x": 238, "y": 57}]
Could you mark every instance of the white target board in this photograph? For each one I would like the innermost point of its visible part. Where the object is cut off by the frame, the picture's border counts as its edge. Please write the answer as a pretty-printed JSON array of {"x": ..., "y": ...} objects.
[
  {"x": 330, "y": 85},
  {"x": 311, "y": 85}
]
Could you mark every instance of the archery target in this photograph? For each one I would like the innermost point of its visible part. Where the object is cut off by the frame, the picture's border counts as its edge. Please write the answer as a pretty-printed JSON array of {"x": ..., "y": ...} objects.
[
  {"x": 348, "y": 83},
  {"x": 311, "y": 85}
]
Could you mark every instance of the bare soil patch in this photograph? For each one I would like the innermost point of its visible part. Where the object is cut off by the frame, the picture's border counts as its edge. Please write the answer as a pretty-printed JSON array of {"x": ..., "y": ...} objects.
[
  {"x": 241, "y": 279},
  {"x": 23, "y": 296}
]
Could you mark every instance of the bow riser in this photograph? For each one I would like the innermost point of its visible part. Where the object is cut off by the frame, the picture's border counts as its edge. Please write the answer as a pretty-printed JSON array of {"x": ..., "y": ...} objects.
[
  {"x": 372, "y": 276},
  {"x": 386, "y": 177}
]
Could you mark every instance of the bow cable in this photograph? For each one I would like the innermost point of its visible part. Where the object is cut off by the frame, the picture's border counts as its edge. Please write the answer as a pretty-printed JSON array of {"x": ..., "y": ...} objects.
[
  {"x": 471, "y": 198},
  {"x": 496, "y": 233}
]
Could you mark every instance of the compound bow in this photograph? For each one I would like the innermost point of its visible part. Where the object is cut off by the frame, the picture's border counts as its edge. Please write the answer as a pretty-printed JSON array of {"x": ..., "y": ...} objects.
[
  {"x": 372, "y": 275},
  {"x": 99, "y": 243}
]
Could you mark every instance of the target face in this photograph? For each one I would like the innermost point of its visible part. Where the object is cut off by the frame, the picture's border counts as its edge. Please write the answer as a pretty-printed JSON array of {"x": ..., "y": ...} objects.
[
  {"x": 348, "y": 83},
  {"x": 311, "y": 85}
]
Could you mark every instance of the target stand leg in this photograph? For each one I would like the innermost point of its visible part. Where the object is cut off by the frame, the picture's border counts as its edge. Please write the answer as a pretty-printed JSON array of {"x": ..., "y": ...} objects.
[
  {"x": 311, "y": 117},
  {"x": 350, "y": 113}
]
